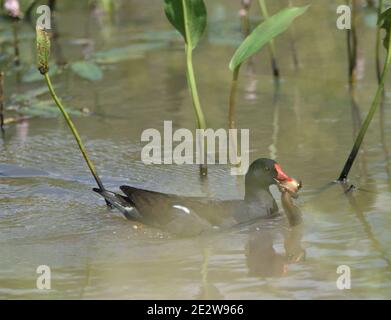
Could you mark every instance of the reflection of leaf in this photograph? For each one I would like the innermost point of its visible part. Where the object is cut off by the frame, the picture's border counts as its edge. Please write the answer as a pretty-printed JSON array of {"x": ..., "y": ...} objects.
[
  {"x": 46, "y": 109},
  {"x": 125, "y": 53},
  {"x": 156, "y": 35},
  {"x": 29, "y": 95},
  {"x": 87, "y": 70},
  {"x": 8, "y": 36},
  {"x": 225, "y": 32},
  {"x": 195, "y": 22},
  {"x": 33, "y": 74},
  {"x": 264, "y": 33}
]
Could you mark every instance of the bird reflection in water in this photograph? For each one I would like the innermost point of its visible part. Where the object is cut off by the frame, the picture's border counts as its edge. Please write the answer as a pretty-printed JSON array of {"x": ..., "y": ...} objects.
[{"x": 262, "y": 258}]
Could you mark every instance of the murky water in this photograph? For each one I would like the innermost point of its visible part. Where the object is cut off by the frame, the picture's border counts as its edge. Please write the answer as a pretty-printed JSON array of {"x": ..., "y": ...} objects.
[{"x": 50, "y": 216}]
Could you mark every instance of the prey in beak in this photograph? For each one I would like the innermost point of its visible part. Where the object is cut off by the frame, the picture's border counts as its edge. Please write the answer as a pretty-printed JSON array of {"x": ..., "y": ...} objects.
[{"x": 286, "y": 183}]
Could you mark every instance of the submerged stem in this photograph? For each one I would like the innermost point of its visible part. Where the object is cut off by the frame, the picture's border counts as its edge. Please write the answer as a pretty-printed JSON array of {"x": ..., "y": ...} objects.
[
  {"x": 74, "y": 131},
  {"x": 375, "y": 104}
]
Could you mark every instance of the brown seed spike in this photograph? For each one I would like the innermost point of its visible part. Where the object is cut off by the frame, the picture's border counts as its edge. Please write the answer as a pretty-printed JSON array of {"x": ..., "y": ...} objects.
[{"x": 43, "y": 50}]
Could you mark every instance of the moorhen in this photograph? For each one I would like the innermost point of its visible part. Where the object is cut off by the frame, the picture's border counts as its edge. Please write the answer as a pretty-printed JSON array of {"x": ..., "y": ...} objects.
[{"x": 189, "y": 216}]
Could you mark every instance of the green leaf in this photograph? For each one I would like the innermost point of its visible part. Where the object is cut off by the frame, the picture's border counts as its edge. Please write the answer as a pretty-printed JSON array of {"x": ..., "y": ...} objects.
[
  {"x": 264, "y": 33},
  {"x": 87, "y": 70},
  {"x": 190, "y": 20},
  {"x": 385, "y": 23}
]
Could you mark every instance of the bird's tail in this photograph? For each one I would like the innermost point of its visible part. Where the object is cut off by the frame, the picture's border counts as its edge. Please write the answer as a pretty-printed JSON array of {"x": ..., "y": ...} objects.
[{"x": 121, "y": 203}]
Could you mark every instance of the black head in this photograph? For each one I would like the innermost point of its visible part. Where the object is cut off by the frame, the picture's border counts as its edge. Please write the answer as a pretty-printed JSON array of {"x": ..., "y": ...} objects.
[{"x": 264, "y": 172}]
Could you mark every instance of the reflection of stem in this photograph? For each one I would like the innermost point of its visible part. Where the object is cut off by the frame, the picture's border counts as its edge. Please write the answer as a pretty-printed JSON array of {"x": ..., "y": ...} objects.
[
  {"x": 378, "y": 42},
  {"x": 16, "y": 44},
  {"x": 368, "y": 119},
  {"x": 352, "y": 46},
  {"x": 244, "y": 13},
  {"x": 74, "y": 132},
  {"x": 292, "y": 42},
  {"x": 265, "y": 13},
  {"x": 204, "y": 269},
  {"x": 276, "y": 127},
  {"x": 52, "y": 5},
  {"x": 367, "y": 227},
  {"x": 2, "y": 101},
  {"x": 383, "y": 139}
]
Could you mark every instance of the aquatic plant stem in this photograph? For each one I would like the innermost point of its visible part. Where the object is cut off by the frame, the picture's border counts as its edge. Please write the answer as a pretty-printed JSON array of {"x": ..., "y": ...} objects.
[
  {"x": 200, "y": 118},
  {"x": 378, "y": 41},
  {"x": 375, "y": 104},
  {"x": 74, "y": 131},
  {"x": 2, "y": 101},
  {"x": 232, "y": 112},
  {"x": 272, "y": 48},
  {"x": 232, "y": 98}
]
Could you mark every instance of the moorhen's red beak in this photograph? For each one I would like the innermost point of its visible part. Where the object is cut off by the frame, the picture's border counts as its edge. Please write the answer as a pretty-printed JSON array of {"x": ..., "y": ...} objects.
[
  {"x": 281, "y": 175},
  {"x": 285, "y": 182}
]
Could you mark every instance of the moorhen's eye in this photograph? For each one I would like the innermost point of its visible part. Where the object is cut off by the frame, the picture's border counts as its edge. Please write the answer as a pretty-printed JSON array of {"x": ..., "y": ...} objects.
[{"x": 267, "y": 169}]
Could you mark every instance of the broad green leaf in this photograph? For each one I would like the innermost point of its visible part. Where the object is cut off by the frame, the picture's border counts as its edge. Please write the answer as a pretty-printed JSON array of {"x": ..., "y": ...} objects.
[
  {"x": 194, "y": 21},
  {"x": 385, "y": 23},
  {"x": 264, "y": 33},
  {"x": 87, "y": 70}
]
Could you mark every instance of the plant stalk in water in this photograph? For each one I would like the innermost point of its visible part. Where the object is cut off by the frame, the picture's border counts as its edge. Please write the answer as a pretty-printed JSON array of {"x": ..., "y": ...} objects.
[
  {"x": 378, "y": 41},
  {"x": 272, "y": 48},
  {"x": 2, "y": 101},
  {"x": 232, "y": 98},
  {"x": 375, "y": 104},
  {"x": 190, "y": 19},
  {"x": 43, "y": 48}
]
